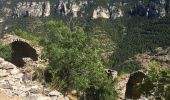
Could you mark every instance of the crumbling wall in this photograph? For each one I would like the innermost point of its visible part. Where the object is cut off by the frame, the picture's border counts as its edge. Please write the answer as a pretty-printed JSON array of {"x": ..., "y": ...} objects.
[{"x": 135, "y": 79}]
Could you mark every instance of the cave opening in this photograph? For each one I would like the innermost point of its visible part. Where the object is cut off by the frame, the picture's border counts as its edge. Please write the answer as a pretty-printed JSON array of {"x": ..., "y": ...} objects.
[{"x": 22, "y": 50}]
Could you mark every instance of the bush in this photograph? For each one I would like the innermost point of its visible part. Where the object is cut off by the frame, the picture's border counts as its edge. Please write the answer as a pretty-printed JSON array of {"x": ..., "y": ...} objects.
[
  {"x": 157, "y": 82},
  {"x": 74, "y": 62},
  {"x": 5, "y": 52}
]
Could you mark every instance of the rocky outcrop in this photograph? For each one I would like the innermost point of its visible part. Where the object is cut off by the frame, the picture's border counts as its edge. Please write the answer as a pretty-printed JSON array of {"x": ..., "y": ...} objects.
[
  {"x": 113, "y": 12},
  {"x": 116, "y": 13},
  {"x": 155, "y": 8},
  {"x": 14, "y": 82},
  {"x": 46, "y": 9},
  {"x": 101, "y": 12},
  {"x": 65, "y": 7},
  {"x": 74, "y": 8},
  {"x": 32, "y": 9}
]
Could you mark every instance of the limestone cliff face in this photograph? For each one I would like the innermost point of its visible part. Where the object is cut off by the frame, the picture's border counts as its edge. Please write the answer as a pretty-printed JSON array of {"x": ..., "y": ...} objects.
[
  {"x": 77, "y": 9},
  {"x": 83, "y": 8},
  {"x": 32, "y": 9},
  {"x": 61, "y": 7}
]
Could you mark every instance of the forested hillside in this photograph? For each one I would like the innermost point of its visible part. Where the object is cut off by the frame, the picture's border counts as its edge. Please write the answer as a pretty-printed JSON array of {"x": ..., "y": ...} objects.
[{"x": 90, "y": 49}]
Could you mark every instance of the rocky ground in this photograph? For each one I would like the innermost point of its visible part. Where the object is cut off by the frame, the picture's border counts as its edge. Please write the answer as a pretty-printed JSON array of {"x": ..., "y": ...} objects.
[
  {"x": 15, "y": 83},
  {"x": 161, "y": 55}
]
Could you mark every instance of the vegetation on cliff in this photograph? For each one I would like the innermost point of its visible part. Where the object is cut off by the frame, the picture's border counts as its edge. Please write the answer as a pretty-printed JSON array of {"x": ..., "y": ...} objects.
[{"x": 75, "y": 47}]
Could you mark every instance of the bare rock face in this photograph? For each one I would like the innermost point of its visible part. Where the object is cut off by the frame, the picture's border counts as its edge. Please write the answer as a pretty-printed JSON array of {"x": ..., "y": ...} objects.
[
  {"x": 46, "y": 9},
  {"x": 64, "y": 8},
  {"x": 32, "y": 9},
  {"x": 101, "y": 12},
  {"x": 77, "y": 9},
  {"x": 116, "y": 13}
]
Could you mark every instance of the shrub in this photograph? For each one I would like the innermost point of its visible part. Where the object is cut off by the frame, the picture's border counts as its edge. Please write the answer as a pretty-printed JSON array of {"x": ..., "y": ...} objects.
[
  {"x": 74, "y": 62},
  {"x": 5, "y": 52},
  {"x": 157, "y": 82}
]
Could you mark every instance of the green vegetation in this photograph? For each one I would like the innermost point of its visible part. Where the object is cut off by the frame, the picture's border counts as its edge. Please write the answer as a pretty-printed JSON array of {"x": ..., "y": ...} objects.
[
  {"x": 23, "y": 34},
  {"x": 74, "y": 59},
  {"x": 5, "y": 52},
  {"x": 74, "y": 48},
  {"x": 157, "y": 82}
]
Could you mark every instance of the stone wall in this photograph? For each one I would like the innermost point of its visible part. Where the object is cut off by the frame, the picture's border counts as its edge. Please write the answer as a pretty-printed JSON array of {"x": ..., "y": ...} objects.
[{"x": 16, "y": 83}]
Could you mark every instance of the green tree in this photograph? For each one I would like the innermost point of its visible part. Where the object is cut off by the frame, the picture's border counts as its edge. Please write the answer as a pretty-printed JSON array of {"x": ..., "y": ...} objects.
[{"x": 75, "y": 63}]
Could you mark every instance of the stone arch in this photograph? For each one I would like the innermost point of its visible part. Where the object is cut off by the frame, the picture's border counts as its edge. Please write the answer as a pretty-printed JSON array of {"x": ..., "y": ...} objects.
[
  {"x": 131, "y": 91},
  {"x": 22, "y": 50}
]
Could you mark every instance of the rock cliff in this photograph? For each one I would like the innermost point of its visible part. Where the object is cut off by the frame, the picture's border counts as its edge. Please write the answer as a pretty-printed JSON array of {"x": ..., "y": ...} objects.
[{"x": 32, "y": 9}]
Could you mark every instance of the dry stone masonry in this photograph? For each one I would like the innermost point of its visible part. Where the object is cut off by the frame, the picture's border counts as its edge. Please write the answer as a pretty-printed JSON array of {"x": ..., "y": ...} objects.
[{"x": 14, "y": 82}]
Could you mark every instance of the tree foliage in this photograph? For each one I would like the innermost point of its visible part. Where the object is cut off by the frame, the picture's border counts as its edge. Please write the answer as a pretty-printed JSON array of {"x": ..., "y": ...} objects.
[{"x": 74, "y": 59}]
